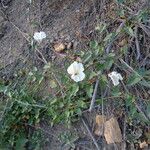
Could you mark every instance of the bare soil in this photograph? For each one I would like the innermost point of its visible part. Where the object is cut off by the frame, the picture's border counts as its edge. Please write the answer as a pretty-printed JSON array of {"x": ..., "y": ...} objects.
[{"x": 63, "y": 21}]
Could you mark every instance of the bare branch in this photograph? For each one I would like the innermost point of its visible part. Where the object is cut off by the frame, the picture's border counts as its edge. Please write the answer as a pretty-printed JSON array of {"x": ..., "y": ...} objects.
[
  {"x": 124, "y": 135},
  {"x": 137, "y": 44},
  {"x": 90, "y": 133},
  {"x": 94, "y": 96}
]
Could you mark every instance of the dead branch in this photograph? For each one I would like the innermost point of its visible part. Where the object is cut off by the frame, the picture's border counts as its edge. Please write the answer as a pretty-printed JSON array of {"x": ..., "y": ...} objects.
[
  {"x": 94, "y": 96},
  {"x": 124, "y": 135},
  {"x": 90, "y": 133},
  {"x": 137, "y": 44}
]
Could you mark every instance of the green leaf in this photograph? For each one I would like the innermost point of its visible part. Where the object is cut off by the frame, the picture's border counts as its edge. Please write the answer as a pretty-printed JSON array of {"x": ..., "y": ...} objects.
[
  {"x": 47, "y": 66},
  {"x": 129, "y": 100},
  {"x": 116, "y": 91},
  {"x": 3, "y": 88},
  {"x": 37, "y": 113},
  {"x": 101, "y": 27},
  {"x": 93, "y": 44},
  {"x": 134, "y": 79},
  {"x": 73, "y": 90},
  {"x": 133, "y": 111},
  {"x": 108, "y": 64},
  {"x": 100, "y": 101},
  {"x": 103, "y": 81},
  {"x": 92, "y": 74},
  {"x": 108, "y": 37},
  {"x": 53, "y": 84},
  {"x": 79, "y": 111},
  {"x": 20, "y": 143},
  {"x": 130, "y": 31},
  {"x": 120, "y": 1},
  {"x": 148, "y": 109},
  {"x": 89, "y": 90},
  {"x": 87, "y": 57},
  {"x": 81, "y": 103},
  {"x": 109, "y": 60},
  {"x": 145, "y": 83}
]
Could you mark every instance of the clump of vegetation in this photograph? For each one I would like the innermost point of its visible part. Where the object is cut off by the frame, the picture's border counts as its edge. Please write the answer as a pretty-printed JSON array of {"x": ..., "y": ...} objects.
[{"x": 63, "y": 97}]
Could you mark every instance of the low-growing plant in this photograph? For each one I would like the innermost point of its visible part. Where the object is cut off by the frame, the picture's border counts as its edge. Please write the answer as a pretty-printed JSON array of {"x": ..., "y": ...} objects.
[{"x": 62, "y": 97}]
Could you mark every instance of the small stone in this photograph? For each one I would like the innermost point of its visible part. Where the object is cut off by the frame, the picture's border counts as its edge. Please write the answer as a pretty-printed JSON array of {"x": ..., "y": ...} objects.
[{"x": 59, "y": 47}]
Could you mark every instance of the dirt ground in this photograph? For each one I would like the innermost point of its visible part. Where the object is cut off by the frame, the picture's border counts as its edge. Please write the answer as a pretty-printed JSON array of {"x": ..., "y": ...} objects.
[
  {"x": 66, "y": 21},
  {"x": 63, "y": 21}
]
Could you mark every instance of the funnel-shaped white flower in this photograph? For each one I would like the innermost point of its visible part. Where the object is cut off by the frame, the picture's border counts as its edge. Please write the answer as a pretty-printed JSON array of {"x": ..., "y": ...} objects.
[
  {"x": 39, "y": 36},
  {"x": 76, "y": 71},
  {"x": 115, "y": 77}
]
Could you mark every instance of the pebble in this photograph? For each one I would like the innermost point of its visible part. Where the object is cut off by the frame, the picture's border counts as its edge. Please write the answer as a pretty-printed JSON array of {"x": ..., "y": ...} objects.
[{"x": 59, "y": 47}]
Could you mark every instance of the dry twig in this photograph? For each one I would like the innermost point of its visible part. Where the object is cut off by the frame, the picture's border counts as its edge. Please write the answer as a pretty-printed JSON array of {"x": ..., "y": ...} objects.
[
  {"x": 90, "y": 133},
  {"x": 137, "y": 44},
  {"x": 124, "y": 135},
  {"x": 94, "y": 96}
]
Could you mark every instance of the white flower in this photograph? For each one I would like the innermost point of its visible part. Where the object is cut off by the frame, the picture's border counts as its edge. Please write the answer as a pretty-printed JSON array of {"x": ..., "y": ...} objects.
[
  {"x": 39, "y": 36},
  {"x": 76, "y": 71},
  {"x": 115, "y": 77}
]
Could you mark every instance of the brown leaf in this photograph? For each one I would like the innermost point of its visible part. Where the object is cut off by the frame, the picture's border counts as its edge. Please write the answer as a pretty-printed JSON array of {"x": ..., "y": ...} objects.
[
  {"x": 122, "y": 42},
  {"x": 99, "y": 128},
  {"x": 112, "y": 131}
]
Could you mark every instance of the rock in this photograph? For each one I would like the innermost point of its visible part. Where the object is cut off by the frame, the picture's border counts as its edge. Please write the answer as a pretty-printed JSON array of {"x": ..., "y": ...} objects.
[
  {"x": 99, "y": 128},
  {"x": 59, "y": 47},
  {"x": 112, "y": 132}
]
